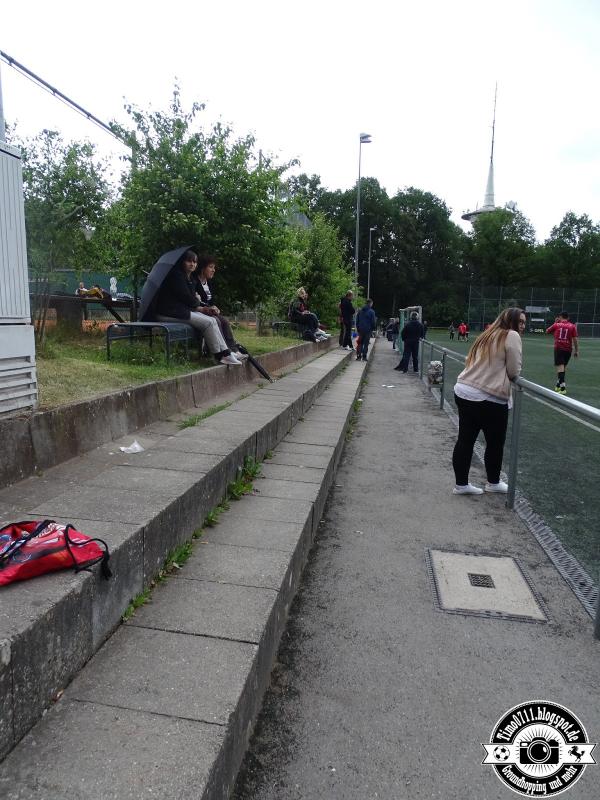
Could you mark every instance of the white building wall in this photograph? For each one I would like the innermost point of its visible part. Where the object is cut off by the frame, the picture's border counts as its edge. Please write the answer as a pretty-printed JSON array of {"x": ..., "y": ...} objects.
[{"x": 18, "y": 387}]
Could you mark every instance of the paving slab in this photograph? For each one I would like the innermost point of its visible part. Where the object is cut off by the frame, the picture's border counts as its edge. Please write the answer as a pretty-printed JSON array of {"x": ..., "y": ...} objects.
[
  {"x": 172, "y": 755},
  {"x": 205, "y": 608},
  {"x": 294, "y": 473},
  {"x": 87, "y": 502},
  {"x": 269, "y": 508},
  {"x": 286, "y": 489},
  {"x": 291, "y": 458},
  {"x": 272, "y": 535},
  {"x": 192, "y": 677},
  {"x": 244, "y": 566}
]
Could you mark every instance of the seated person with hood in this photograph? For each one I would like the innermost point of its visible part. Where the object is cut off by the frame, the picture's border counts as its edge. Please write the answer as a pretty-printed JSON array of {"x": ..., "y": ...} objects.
[
  {"x": 177, "y": 302},
  {"x": 299, "y": 313}
]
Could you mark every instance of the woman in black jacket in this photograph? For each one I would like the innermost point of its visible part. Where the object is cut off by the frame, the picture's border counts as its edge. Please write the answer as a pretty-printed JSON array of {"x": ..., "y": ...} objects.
[
  {"x": 177, "y": 302},
  {"x": 207, "y": 266}
]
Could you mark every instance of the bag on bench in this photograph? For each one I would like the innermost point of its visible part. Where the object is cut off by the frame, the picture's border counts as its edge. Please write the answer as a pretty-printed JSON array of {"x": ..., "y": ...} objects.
[{"x": 32, "y": 548}]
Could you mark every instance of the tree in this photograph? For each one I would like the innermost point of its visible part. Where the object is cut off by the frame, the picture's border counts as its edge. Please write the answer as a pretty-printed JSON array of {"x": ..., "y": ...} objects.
[
  {"x": 502, "y": 248},
  {"x": 206, "y": 189},
  {"x": 571, "y": 254},
  {"x": 321, "y": 267},
  {"x": 66, "y": 195}
]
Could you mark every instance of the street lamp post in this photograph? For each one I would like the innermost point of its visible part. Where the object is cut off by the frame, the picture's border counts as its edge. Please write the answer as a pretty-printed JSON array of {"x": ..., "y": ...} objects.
[
  {"x": 364, "y": 138},
  {"x": 369, "y": 267}
]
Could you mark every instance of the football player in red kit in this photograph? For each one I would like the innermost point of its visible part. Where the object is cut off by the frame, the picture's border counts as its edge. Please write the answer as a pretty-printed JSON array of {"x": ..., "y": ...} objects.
[{"x": 565, "y": 342}]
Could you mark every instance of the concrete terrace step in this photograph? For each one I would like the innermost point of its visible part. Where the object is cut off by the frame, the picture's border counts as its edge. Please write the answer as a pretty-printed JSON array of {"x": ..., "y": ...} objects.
[{"x": 143, "y": 505}]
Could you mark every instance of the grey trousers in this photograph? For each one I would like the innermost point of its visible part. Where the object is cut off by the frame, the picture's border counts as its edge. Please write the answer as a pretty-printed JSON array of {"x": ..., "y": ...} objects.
[{"x": 208, "y": 326}]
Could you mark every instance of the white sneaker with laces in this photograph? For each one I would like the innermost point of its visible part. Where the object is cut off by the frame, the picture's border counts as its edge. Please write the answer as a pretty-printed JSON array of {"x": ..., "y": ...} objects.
[
  {"x": 500, "y": 488},
  {"x": 468, "y": 489},
  {"x": 231, "y": 360},
  {"x": 240, "y": 356}
]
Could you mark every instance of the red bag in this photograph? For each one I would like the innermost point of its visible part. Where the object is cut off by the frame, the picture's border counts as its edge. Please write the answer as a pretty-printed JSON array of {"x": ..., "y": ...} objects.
[{"x": 28, "y": 549}]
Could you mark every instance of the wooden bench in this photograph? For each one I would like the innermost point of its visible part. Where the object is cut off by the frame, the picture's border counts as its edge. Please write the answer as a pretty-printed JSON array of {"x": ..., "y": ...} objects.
[
  {"x": 281, "y": 328},
  {"x": 170, "y": 332}
]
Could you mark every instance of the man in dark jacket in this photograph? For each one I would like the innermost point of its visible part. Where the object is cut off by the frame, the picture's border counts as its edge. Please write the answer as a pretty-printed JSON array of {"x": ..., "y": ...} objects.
[
  {"x": 366, "y": 322},
  {"x": 412, "y": 332},
  {"x": 347, "y": 311}
]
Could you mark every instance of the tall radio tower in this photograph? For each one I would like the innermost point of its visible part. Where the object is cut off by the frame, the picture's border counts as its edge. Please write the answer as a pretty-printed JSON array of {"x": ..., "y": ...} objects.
[{"x": 488, "y": 200}]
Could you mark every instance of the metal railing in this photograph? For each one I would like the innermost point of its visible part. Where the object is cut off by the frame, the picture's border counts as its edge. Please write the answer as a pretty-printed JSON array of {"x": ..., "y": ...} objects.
[{"x": 521, "y": 386}]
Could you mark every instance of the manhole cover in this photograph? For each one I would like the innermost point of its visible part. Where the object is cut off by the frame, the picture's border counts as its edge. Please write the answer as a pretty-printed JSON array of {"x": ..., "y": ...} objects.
[{"x": 483, "y": 585}]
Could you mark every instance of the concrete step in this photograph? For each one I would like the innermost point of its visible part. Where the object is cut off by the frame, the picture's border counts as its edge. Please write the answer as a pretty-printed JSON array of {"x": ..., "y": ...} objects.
[{"x": 143, "y": 506}]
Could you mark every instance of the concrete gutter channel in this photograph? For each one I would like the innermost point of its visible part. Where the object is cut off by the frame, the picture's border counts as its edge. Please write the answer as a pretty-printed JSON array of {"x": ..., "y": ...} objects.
[{"x": 165, "y": 707}]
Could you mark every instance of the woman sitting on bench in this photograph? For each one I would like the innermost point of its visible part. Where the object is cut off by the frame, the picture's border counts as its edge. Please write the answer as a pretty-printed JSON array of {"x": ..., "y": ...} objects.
[
  {"x": 300, "y": 315},
  {"x": 177, "y": 302},
  {"x": 207, "y": 266}
]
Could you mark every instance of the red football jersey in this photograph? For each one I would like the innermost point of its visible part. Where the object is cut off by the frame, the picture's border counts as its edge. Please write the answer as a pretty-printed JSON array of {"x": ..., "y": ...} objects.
[{"x": 564, "y": 333}]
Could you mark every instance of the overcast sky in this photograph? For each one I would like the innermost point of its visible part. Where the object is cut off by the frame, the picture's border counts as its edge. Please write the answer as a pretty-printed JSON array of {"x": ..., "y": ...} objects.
[{"x": 307, "y": 77}]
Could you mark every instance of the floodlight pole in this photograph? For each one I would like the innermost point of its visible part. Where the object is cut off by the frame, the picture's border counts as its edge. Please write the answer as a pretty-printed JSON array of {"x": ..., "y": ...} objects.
[
  {"x": 369, "y": 267},
  {"x": 363, "y": 138}
]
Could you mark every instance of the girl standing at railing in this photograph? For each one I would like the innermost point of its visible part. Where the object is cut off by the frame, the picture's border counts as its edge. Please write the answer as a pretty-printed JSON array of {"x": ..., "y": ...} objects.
[{"x": 482, "y": 394}]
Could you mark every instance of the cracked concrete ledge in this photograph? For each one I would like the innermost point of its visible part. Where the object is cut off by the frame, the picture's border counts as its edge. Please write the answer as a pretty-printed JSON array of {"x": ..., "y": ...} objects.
[
  {"x": 166, "y": 707},
  {"x": 43, "y": 439},
  {"x": 143, "y": 505}
]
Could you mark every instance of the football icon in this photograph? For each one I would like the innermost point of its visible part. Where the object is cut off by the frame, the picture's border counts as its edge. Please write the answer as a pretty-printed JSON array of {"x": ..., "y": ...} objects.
[{"x": 501, "y": 753}]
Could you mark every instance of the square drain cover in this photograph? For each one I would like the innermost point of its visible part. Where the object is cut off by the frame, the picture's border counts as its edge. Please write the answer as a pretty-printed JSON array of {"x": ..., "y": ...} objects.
[{"x": 483, "y": 585}]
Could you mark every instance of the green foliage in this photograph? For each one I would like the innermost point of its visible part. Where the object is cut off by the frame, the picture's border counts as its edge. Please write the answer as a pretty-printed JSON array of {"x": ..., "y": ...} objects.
[
  {"x": 205, "y": 188},
  {"x": 66, "y": 193},
  {"x": 243, "y": 483},
  {"x": 320, "y": 267},
  {"x": 195, "y": 419},
  {"x": 502, "y": 251},
  {"x": 571, "y": 255},
  {"x": 417, "y": 253}
]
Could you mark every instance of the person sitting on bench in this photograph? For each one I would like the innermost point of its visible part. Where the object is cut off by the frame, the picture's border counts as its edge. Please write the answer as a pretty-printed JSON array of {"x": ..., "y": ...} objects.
[
  {"x": 207, "y": 266},
  {"x": 177, "y": 302},
  {"x": 300, "y": 315}
]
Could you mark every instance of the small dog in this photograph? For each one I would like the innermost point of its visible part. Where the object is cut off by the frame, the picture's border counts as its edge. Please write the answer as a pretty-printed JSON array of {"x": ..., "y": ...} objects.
[{"x": 434, "y": 373}]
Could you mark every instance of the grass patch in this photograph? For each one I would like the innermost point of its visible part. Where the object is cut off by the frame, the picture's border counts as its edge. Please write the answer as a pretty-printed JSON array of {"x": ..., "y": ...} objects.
[
  {"x": 74, "y": 367},
  {"x": 243, "y": 483},
  {"x": 195, "y": 419}
]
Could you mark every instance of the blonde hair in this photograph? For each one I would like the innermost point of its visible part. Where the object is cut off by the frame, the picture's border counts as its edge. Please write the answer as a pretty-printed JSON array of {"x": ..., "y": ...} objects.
[
  {"x": 301, "y": 292},
  {"x": 491, "y": 340}
]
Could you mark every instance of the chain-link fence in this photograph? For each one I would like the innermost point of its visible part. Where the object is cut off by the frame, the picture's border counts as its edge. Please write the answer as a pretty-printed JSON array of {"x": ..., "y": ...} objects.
[{"x": 541, "y": 305}]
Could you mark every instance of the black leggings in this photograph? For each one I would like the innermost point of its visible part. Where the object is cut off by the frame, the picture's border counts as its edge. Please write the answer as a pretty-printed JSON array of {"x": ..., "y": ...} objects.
[
  {"x": 309, "y": 321},
  {"x": 473, "y": 417}
]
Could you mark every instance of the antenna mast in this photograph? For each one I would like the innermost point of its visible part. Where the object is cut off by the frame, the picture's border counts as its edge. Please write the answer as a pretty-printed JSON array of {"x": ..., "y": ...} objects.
[{"x": 494, "y": 123}]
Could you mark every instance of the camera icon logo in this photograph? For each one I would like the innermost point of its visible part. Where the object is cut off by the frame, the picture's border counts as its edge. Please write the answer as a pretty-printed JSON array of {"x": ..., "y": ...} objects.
[
  {"x": 539, "y": 748},
  {"x": 539, "y": 751}
]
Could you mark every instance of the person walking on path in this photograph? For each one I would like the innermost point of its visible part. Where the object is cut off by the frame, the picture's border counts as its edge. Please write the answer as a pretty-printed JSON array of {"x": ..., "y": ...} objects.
[
  {"x": 451, "y": 331},
  {"x": 412, "y": 332},
  {"x": 566, "y": 342},
  {"x": 366, "y": 322},
  {"x": 347, "y": 312},
  {"x": 482, "y": 394}
]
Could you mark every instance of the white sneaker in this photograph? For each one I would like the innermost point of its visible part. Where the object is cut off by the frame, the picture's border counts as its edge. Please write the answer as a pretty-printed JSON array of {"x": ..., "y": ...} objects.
[
  {"x": 468, "y": 489},
  {"x": 231, "y": 360},
  {"x": 240, "y": 356},
  {"x": 323, "y": 333},
  {"x": 500, "y": 488}
]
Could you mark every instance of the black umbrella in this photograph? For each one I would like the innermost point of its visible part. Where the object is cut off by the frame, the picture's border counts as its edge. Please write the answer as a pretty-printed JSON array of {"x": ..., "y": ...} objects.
[
  {"x": 154, "y": 281},
  {"x": 255, "y": 363}
]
